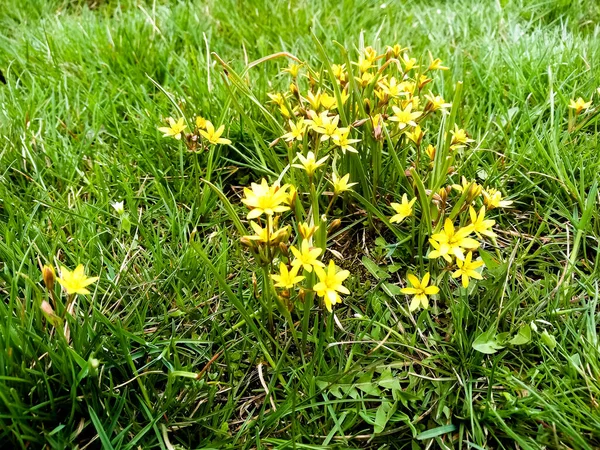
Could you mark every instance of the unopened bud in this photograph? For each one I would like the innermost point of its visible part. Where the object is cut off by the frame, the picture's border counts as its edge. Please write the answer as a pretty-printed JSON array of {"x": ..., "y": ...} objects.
[
  {"x": 334, "y": 225},
  {"x": 254, "y": 285},
  {"x": 48, "y": 312},
  {"x": 246, "y": 242},
  {"x": 283, "y": 248},
  {"x": 49, "y": 276},
  {"x": 47, "y": 308}
]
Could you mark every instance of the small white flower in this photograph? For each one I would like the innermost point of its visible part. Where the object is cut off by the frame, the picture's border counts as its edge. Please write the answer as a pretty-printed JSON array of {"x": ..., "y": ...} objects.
[{"x": 119, "y": 208}]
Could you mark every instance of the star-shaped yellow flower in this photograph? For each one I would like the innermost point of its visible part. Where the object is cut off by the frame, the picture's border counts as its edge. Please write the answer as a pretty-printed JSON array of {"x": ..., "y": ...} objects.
[
  {"x": 481, "y": 225},
  {"x": 450, "y": 242},
  {"x": 330, "y": 283},
  {"x": 214, "y": 136},
  {"x": 175, "y": 128},
  {"x": 492, "y": 198},
  {"x": 405, "y": 117},
  {"x": 75, "y": 282},
  {"x": 459, "y": 138},
  {"x": 437, "y": 102},
  {"x": 579, "y": 105},
  {"x": 420, "y": 289},
  {"x": 403, "y": 210},
  {"x": 265, "y": 199},
  {"x": 309, "y": 163},
  {"x": 287, "y": 278},
  {"x": 307, "y": 256},
  {"x": 340, "y": 138},
  {"x": 296, "y": 131},
  {"x": 201, "y": 123},
  {"x": 341, "y": 185},
  {"x": 466, "y": 269},
  {"x": 268, "y": 234}
]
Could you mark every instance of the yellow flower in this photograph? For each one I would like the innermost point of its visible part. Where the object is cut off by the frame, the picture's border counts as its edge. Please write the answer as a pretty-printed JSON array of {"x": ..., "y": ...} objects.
[
  {"x": 395, "y": 50},
  {"x": 267, "y": 235},
  {"x": 265, "y": 199},
  {"x": 339, "y": 71},
  {"x": 430, "y": 150},
  {"x": 370, "y": 53},
  {"x": 309, "y": 164},
  {"x": 435, "y": 64},
  {"x": 285, "y": 112},
  {"x": 409, "y": 63},
  {"x": 459, "y": 138},
  {"x": 341, "y": 184},
  {"x": 405, "y": 117},
  {"x": 306, "y": 230},
  {"x": 474, "y": 189},
  {"x": 293, "y": 69},
  {"x": 492, "y": 198},
  {"x": 287, "y": 278},
  {"x": 364, "y": 79},
  {"x": 317, "y": 120},
  {"x": 291, "y": 196},
  {"x": 403, "y": 210},
  {"x": 579, "y": 105},
  {"x": 277, "y": 98},
  {"x": 340, "y": 138},
  {"x": 330, "y": 283},
  {"x": 452, "y": 242},
  {"x": 297, "y": 131},
  {"x": 344, "y": 96},
  {"x": 466, "y": 269},
  {"x": 364, "y": 64},
  {"x": 306, "y": 257},
  {"x": 175, "y": 129},
  {"x": 214, "y": 136},
  {"x": 328, "y": 126},
  {"x": 392, "y": 88},
  {"x": 75, "y": 282},
  {"x": 423, "y": 80},
  {"x": 420, "y": 289},
  {"x": 328, "y": 101},
  {"x": 314, "y": 100},
  {"x": 437, "y": 102},
  {"x": 480, "y": 225},
  {"x": 416, "y": 135},
  {"x": 200, "y": 123}
]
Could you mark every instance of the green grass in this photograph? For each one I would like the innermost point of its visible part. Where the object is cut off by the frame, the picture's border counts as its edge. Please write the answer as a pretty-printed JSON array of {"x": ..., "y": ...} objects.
[{"x": 78, "y": 118}]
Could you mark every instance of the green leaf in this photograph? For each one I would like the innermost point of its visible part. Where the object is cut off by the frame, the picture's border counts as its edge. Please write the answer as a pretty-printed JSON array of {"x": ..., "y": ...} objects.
[
  {"x": 435, "y": 432},
  {"x": 382, "y": 416},
  {"x": 487, "y": 343},
  {"x": 490, "y": 262},
  {"x": 100, "y": 429},
  {"x": 374, "y": 269},
  {"x": 391, "y": 289},
  {"x": 522, "y": 337},
  {"x": 548, "y": 340}
]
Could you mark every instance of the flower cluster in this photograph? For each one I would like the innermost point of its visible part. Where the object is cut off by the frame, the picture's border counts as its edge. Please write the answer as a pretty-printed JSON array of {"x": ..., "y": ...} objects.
[
  {"x": 270, "y": 242},
  {"x": 204, "y": 132},
  {"x": 454, "y": 244},
  {"x": 382, "y": 96}
]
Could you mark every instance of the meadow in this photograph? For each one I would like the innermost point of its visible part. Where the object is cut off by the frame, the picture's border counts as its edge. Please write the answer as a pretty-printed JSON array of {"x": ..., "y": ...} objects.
[{"x": 185, "y": 265}]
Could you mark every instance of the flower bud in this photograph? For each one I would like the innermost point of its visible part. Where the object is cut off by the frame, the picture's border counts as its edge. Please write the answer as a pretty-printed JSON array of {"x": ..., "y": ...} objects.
[
  {"x": 334, "y": 225},
  {"x": 49, "y": 276}
]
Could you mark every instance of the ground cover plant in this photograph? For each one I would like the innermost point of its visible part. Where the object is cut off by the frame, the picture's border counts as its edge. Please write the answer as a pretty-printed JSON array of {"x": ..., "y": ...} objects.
[{"x": 299, "y": 225}]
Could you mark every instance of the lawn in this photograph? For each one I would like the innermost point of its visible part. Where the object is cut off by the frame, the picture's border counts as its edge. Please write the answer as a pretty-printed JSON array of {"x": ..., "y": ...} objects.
[{"x": 198, "y": 330}]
